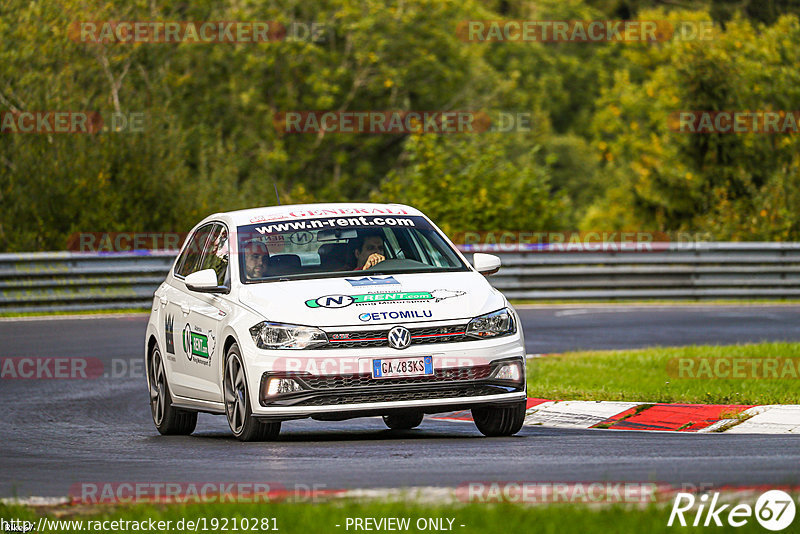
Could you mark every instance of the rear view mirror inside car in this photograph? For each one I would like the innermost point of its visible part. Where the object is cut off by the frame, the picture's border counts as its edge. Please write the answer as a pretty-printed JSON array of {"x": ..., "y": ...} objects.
[{"x": 335, "y": 234}]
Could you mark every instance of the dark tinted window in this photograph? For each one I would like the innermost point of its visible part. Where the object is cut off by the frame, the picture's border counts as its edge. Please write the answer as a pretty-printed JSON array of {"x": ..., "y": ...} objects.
[
  {"x": 192, "y": 254},
  {"x": 216, "y": 253},
  {"x": 327, "y": 246}
]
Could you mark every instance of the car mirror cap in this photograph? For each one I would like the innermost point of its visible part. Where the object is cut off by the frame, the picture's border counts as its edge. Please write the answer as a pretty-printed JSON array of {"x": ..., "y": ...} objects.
[
  {"x": 204, "y": 281},
  {"x": 486, "y": 264}
]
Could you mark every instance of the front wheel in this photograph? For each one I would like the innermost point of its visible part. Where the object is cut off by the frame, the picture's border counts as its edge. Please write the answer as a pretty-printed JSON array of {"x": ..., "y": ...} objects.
[
  {"x": 168, "y": 420},
  {"x": 496, "y": 421},
  {"x": 237, "y": 403}
]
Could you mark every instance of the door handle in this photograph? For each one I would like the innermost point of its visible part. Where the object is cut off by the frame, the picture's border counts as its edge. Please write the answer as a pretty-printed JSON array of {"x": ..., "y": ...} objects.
[{"x": 185, "y": 309}]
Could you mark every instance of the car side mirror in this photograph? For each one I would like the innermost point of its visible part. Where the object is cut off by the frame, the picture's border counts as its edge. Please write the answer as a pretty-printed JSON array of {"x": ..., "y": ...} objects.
[
  {"x": 486, "y": 264},
  {"x": 204, "y": 281}
]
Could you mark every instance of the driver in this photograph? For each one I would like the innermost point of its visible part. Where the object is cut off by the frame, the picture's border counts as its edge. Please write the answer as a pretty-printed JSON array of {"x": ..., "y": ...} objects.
[
  {"x": 369, "y": 251},
  {"x": 256, "y": 258}
]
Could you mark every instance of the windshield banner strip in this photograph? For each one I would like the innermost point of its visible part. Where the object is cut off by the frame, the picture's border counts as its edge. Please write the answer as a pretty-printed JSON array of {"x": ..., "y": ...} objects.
[{"x": 335, "y": 222}]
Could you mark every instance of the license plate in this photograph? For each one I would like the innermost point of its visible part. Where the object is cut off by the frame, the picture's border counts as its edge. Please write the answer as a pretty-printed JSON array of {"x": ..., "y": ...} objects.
[{"x": 398, "y": 367}]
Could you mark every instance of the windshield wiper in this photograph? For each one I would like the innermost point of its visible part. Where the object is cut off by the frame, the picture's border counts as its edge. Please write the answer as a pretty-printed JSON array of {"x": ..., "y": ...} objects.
[{"x": 412, "y": 271}]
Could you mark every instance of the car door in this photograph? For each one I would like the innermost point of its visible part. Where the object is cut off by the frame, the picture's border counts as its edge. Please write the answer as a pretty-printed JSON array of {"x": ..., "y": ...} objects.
[
  {"x": 200, "y": 331},
  {"x": 176, "y": 303}
]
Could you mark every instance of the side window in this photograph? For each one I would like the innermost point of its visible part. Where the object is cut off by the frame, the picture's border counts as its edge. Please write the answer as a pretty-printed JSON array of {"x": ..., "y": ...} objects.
[
  {"x": 216, "y": 253},
  {"x": 192, "y": 254}
]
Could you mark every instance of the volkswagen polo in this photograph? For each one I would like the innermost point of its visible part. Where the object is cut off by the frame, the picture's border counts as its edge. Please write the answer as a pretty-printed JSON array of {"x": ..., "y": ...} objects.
[{"x": 330, "y": 312}]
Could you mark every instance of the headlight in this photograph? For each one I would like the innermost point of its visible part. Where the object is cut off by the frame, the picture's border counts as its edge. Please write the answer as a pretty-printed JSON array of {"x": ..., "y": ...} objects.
[
  {"x": 493, "y": 324},
  {"x": 287, "y": 336}
]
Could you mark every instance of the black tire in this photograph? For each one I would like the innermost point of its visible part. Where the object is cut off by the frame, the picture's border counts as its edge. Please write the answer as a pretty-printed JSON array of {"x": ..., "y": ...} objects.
[
  {"x": 403, "y": 420},
  {"x": 493, "y": 421},
  {"x": 237, "y": 402},
  {"x": 168, "y": 419}
]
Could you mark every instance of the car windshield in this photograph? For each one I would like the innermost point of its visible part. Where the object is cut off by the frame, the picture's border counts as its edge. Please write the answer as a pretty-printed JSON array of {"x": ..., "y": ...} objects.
[{"x": 324, "y": 247}]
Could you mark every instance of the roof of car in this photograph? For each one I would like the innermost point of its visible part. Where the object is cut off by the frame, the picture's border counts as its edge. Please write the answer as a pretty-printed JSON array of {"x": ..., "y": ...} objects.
[{"x": 305, "y": 211}]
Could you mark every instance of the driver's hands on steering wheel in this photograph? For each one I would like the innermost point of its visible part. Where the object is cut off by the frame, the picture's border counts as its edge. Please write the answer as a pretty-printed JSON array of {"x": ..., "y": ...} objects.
[{"x": 373, "y": 259}]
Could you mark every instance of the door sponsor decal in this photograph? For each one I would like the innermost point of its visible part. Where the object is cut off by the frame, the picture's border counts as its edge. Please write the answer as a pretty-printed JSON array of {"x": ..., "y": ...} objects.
[
  {"x": 169, "y": 333},
  {"x": 197, "y": 346}
]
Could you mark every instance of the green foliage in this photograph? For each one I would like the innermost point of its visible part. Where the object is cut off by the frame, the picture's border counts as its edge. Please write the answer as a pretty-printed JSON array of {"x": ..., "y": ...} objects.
[
  {"x": 470, "y": 182},
  {"x": 210, "y": 142},
  {"x": 735, "y": 186},
  {"x": 601, "y": 155}
]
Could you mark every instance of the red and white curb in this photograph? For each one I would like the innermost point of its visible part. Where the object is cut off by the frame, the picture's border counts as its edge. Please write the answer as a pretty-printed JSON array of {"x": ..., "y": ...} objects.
[
  {"x": 704, "y": 418},
  {"x": 773, "y": 419}
]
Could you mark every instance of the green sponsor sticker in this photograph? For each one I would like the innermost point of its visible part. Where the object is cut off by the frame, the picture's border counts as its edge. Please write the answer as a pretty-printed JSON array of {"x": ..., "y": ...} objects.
[
  {"x": 340, "y": 301},
  {"x": 195, "y": 343},
  {"x": 200, "y": 345}
]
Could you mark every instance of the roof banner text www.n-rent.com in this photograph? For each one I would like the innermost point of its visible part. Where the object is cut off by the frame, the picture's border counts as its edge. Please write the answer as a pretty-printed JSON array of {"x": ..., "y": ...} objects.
[{"x": 400, "y": 221}]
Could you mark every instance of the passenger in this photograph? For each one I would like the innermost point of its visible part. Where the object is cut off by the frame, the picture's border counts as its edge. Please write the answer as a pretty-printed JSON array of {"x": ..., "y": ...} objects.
[{"x": 256, "y": 258}]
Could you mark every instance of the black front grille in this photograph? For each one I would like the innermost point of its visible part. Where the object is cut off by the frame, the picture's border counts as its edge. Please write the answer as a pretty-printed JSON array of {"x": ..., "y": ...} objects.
[
  {"x": 379, "y": 338},
  {"x": 394, "y": 396},
  {"x": 477, "y": 372}
]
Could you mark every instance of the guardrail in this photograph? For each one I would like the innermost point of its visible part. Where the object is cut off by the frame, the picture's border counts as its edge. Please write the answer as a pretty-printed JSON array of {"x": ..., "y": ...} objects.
[
  {"x": 674, "y": 271},
  {"x": 70, "y": 281},
  {"x": 66, "y": 281}
]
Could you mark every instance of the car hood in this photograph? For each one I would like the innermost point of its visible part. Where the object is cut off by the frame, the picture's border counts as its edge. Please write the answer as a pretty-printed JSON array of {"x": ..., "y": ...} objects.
[{"x": 378, "y": 299}]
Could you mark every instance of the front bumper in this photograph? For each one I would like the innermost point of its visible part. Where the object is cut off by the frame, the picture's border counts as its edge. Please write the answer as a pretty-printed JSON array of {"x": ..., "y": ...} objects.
[
  {"x": 429, "y": 406},
  {"x": 464, "y": 378}
]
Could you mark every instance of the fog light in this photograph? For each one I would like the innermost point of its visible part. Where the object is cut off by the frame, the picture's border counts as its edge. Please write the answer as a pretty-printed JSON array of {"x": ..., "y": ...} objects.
[
  {"x": 509, "y": 371},
  {"x": 276, "y": 386}
]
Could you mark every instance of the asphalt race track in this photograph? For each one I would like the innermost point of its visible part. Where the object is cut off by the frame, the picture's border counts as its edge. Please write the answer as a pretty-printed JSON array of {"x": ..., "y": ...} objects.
[{"x": 57, "y": 433}]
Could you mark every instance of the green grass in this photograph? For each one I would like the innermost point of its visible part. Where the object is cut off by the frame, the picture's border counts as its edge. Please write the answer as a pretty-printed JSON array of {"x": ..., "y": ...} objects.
[
  {"x": 478, "y": 518},
  {"x": 642, "y": 375}
]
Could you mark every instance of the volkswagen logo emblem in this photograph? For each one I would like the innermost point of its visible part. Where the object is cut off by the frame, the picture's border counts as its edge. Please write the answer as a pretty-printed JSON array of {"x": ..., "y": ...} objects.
[{"x": 399, "y": 337}]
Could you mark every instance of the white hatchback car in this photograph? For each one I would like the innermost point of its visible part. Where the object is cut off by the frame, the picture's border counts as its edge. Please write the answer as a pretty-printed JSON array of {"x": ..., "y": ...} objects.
[{"x": 331, "y": 312}]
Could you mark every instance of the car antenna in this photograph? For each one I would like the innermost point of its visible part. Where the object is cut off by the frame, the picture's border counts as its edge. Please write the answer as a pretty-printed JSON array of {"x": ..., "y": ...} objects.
[{"x": 276, "y": 193}]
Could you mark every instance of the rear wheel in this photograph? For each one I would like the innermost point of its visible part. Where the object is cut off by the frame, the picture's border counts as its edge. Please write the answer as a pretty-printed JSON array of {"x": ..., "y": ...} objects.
[
  {"x": 168, "y": 420},
  {"x": 495, "y": 421},
  {"x": 237, "y": 403},
  {"x": 403, "y": 420}
]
